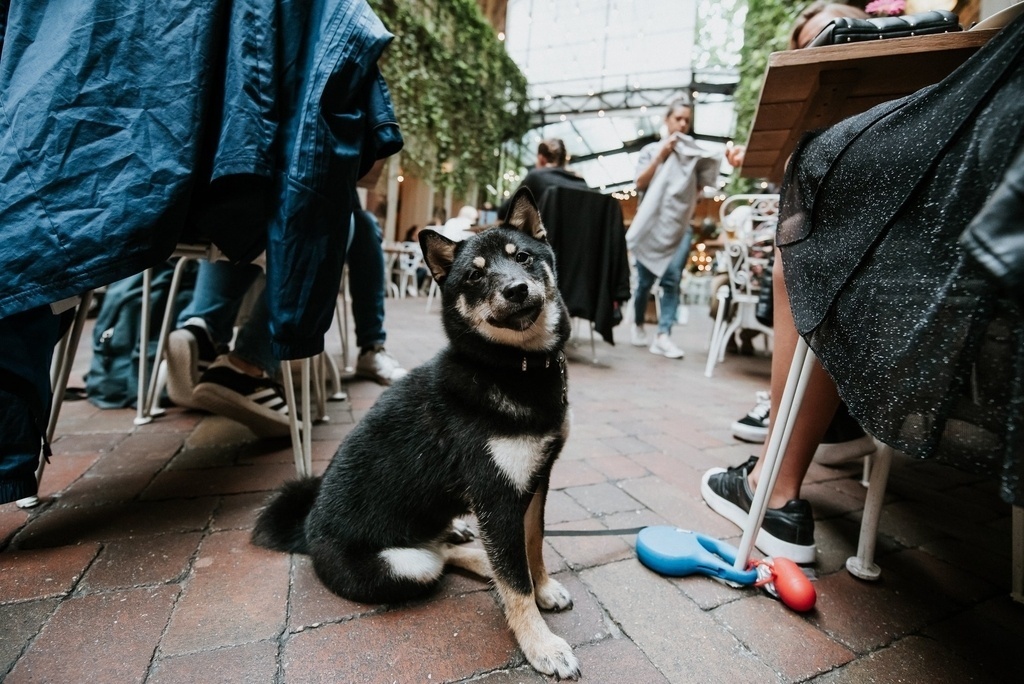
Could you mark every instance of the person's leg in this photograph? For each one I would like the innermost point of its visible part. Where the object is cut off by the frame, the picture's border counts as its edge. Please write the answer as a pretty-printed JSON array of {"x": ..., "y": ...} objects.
[
  {"x": 788, "y": 527},
  {"x": 220, "y": 287},
  {"x": 205, "y": 325},
  {"x": 366, "y": 280},
  {"x": 816, "y": 410},
  {"x": 670, "y": 281},
  {"x": 28, "y": 339},
  {"x": 252, "y": 343},
  {"x": 366, "y": 284},
  {"x": 644, "y": 282}
]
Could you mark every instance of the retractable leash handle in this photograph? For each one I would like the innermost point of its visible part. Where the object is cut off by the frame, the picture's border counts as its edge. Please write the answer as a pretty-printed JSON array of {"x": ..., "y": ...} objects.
[{"x": 677, "y": 552}]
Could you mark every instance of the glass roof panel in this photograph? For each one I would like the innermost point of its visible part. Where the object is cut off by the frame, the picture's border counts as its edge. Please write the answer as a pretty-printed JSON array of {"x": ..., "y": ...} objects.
[{"x": 601, "y": 72}]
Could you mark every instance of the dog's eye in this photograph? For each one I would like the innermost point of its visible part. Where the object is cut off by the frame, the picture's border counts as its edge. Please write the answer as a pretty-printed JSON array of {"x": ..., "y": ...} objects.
[
  {"x": 475, "y": 275},
  {"x": 524, "y": 258}
]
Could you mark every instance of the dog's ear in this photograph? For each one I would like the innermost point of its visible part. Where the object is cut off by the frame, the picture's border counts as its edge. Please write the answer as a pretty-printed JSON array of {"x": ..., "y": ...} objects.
[
  {"x": 524, "y": 216},
  {"x": 438, "y": 253}
]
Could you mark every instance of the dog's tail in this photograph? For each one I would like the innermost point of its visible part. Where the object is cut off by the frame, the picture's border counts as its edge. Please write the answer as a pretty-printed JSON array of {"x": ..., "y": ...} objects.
[{"x": 281, "y": 526}]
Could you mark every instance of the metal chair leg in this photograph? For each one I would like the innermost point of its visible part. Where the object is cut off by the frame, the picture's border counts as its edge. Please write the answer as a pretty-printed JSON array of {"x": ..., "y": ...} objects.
[{"x": 792, "y": 397}]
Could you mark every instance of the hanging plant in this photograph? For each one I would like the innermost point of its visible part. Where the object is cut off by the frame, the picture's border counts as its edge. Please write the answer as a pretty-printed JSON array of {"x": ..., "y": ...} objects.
[{"x": 457, "y": 93}]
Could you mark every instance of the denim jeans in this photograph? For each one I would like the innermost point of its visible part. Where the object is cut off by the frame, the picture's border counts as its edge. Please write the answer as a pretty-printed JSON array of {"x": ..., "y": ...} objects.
[
  {"x": 366, "y": 278},
  {"x": 27, "y": 339},
  {"x": 220, "y": 288},
  {"x": 669, "y": 287}
]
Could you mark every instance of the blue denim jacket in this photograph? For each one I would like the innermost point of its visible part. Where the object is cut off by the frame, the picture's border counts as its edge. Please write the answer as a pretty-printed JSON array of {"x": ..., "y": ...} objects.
[{"x": 110, "y": 138}]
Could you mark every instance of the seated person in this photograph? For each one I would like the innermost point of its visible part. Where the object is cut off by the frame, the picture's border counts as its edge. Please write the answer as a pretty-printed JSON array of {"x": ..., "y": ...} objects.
[{"x": 549, "y": 172}]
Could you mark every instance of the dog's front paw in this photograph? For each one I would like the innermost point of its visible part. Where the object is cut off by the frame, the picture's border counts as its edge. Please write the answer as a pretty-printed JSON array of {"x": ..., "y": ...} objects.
[
  {"x": 460, "y": 532},
  {"x": 552, "y": 655},
  {"x": 553, "y": 596}
]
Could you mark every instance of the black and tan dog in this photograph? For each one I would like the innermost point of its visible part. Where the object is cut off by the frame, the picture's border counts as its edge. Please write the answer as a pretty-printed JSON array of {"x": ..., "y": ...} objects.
[{"x": 474, "y": 430}]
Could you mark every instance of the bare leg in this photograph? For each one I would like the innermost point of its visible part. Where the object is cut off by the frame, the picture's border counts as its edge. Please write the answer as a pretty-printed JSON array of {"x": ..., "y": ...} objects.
[{"x": 816, "y": 411}]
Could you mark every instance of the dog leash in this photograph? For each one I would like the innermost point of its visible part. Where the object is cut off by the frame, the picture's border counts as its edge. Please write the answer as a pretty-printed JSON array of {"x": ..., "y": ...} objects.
[{"x": 593, "y": 533}]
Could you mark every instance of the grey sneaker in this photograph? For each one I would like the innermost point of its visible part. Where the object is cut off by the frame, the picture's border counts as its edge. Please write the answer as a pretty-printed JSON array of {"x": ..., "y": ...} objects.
[
  {"x": 190, "y": 351},
  {"x": 377, "y": 365}
]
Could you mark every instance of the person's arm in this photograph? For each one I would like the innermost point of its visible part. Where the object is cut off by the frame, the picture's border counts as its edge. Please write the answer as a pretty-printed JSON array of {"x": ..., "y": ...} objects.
[{"x": 643, "y": 178}]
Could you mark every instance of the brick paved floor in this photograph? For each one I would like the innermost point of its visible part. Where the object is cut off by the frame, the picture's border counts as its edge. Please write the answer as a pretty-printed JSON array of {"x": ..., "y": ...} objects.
[{"x": 137, "y": 566}]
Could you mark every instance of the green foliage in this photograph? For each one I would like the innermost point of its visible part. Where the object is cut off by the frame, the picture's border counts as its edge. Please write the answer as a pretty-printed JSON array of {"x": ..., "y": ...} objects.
[
  {"x": 457, "y": 93},
  {"x": 766, "y": 31}
]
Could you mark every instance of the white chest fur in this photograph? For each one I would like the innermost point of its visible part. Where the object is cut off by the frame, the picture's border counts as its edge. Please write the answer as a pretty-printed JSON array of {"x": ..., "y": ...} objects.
[{"x": 518, "y": 458}]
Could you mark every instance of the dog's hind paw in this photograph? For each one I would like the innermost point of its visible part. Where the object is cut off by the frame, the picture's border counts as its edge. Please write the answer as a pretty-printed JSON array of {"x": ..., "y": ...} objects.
[
  {"x": 554, "y": 656},
  {"x": 553, "y": 596},
  {"x": 460, "y": 532}
]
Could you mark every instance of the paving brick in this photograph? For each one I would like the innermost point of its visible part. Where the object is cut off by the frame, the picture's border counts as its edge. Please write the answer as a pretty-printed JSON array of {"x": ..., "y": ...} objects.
[
  {"x": 585, "y": 552},
  {"x": 64, "y": 469},
  {"x": 678, "y": 508},
  {"x": 100, "y": 637},
  {"x": 94, "y": 489},
  {"x": 312, "y": 604},
  {"x": 218, "y": 431},
  {"x": 603, "y": 498},
  {"x": 784, "y": 640},
  {"x": 438, "y": 641},
  {"x": 21, "y": 622},
  {"x": 61, "y": 525},
  {"x": 560, "y": 507},
  {"x": 64, "y": 443},
  {"x": 238, "y": 511},
  {"x": 12, "y": 519},
  {"x": 988, "y": 636},
  {"x": 573, "y": 473},
  {"x": 33, "y": 574},
  {"x": 235, "y": 479},
  {"x": 913, "y": 659},
  {"x": 141, "y": 561},
  {"x": 233, "y": 665},
  {"x": 237, "y": 593},
  {"x": 684, "y": 643},
  {"x": 586, "y": 622},
  {"x": 617, "y": 660},
  {"x": 864, "y": 616},
  {"x": 617, "y": 467}
]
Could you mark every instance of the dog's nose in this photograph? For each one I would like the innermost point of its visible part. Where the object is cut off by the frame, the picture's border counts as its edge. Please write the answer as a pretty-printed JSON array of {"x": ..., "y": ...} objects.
[{"x": 516, "y": 293}]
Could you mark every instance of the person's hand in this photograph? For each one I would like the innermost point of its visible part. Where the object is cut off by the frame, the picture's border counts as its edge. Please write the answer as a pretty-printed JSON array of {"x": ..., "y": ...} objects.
[
  {"x": 666, "y": 150},
  {"x": 734, "y": 154}
]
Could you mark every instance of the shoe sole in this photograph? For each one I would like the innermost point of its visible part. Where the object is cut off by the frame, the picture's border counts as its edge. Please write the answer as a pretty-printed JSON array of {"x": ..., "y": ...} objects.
[
  {"x": 667, "y": 355},
  {"x": 376, "y": 377},
  {"x": 843, "y": 452},
  {"x": 225, "y": 402},
  {"x": 182, "y": 368},
  {"x": 749, "y": 433},
  {"x": 768, "y": 544}
]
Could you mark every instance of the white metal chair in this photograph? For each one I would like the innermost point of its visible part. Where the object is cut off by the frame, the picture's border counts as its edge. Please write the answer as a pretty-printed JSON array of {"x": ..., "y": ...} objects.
[
  {"x": 863, "y": 564},
  {"x": 743, "y": 218},
  {"x": 403, "y": 268}
]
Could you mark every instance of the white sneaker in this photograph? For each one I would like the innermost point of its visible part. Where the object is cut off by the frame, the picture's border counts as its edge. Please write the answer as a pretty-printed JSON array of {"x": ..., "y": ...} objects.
[
  {"x": 637, "y": 336},
  {"x": 376, "y": 364},
  {"x": 664, "y": 346}
]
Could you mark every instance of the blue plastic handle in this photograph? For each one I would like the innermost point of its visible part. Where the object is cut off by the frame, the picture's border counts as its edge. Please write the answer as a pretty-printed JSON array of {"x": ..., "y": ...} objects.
[{"x": 676, "y": 552}]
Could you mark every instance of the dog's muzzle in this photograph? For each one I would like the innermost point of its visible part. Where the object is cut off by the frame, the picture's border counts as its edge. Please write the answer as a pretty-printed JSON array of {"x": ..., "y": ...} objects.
[{"x": 516, "y": 308}]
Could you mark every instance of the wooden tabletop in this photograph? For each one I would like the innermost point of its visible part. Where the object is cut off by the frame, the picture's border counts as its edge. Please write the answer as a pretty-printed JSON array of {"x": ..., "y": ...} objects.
[{"x": 816, "y": 87}]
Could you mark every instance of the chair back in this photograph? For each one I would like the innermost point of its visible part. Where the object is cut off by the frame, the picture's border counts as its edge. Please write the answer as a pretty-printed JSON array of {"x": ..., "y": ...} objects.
[{"x": 747, "y": 220}]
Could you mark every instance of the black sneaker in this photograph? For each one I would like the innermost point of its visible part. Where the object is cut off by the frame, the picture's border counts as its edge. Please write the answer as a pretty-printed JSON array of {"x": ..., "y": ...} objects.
[
  {"x": 786, "y": 532},
  {"x": 844, "y": 440},
  {"x": 190, "y": 351},
  {"x": 753, "y": 427},
  {"x": 257, "y": 403}
]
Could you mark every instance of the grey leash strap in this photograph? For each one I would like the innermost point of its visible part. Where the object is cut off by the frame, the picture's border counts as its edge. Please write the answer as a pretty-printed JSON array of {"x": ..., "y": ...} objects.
[{"x": 592, "y": 533}]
